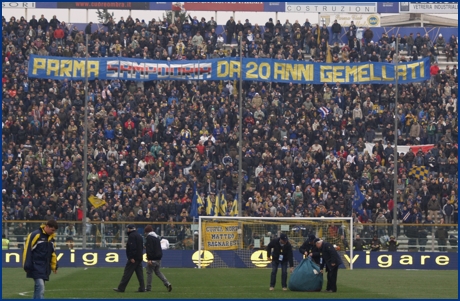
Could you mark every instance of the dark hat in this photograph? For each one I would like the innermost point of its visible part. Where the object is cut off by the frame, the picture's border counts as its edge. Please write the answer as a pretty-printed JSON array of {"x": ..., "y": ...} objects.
[
  {"x": 316, "y": 240},
  {"x": 283, "y": 236},
  {"x": 131, "y": 226},
  {"x": 311, "y": 238}
]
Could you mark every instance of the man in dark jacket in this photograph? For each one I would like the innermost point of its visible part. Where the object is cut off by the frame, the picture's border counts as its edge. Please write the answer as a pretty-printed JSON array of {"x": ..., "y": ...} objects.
[
  {"x": 279, "y": 251},
  {"x": 39, "y": 257},
  {"x": 332, "y": 260},
  {"x": 309, "y": 247},
  {"x": 134, "y": 252},
  {"x": 154, "y": 254}
]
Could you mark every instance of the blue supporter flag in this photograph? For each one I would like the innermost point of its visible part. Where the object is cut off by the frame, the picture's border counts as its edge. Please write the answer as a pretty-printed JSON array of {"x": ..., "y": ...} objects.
[
  {"x": 358, "y": 200},
  {"x": 194, "y": 208}
]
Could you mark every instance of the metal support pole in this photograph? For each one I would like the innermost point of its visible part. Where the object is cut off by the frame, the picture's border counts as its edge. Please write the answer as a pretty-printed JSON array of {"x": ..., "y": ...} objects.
[
  {"x": 395, "y": 160},
  {"x": 87, "y": 16},
  {"x": 85, "y": 151},
  {"x": 240, "y": 133},
  {"x": 68, "y": 16}
]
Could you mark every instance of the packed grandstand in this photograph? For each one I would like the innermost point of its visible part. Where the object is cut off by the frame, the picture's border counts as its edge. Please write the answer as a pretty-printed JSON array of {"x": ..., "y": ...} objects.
[{"x": 305, "y": 146}]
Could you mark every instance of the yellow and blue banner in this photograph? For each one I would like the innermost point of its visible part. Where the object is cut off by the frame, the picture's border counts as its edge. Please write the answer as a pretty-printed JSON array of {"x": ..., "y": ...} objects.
[
  {"x": 219, "y": 236},
  {"x": 264, "y": 70},
  {"x": 419, "y": 172}
]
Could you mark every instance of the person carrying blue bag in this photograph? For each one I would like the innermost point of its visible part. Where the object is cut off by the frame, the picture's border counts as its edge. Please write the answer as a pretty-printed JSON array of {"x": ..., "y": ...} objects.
[
  {"x": 307, "y": 277},
  {"x": 332, "y": 261},
  {"x": 309, "y": 247}
]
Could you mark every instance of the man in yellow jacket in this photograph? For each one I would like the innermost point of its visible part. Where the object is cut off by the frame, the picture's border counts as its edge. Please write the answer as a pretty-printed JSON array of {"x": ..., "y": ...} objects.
[{"x": 39, "y": 257}]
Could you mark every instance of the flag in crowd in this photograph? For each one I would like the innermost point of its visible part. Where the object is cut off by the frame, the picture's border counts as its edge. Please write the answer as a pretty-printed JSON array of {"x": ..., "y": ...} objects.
[
  {"x": 358, "y": 200},
  {"x": 222, "y": 204},
  {"x": 324, "y": 111},
  {"x": 96, "y": 202},
  {"x": 234, "y": 211},
  {"x": 194, "y": 207},
  {"x": 212, "y": 208},
  {"x": 419, "y": 172}
]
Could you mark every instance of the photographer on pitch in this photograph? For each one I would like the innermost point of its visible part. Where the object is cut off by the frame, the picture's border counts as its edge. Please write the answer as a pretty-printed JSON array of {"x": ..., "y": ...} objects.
[{"x": 281, "y": 255}]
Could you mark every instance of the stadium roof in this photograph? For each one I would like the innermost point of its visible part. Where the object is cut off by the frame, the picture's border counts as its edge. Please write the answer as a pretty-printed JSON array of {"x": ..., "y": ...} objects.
[{"x": 415, "y": 20}]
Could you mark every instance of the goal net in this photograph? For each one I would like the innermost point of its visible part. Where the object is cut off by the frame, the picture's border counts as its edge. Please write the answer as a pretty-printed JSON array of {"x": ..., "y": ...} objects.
[{"x": 240, "y": 242}]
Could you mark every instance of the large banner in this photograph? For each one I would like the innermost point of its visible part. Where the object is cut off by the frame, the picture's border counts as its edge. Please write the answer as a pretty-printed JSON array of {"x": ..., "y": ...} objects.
[
  {"x": 220, "y": 237},
  {"x": 243, "y": 259},
  {"x": 265, "y": 70}
]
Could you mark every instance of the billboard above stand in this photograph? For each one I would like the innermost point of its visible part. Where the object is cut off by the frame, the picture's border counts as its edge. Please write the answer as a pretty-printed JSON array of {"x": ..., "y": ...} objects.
[
  {"x": 428, "y": 7},
  {"x": 331, "y": 7}
]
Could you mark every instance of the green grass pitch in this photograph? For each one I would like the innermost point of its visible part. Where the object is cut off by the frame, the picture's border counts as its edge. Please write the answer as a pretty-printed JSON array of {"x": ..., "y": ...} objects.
[{"x": 97, "y": 283}]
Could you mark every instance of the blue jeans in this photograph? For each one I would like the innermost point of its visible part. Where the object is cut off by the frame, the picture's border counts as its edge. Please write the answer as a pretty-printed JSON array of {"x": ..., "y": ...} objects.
[
  {"x": 284, "y": 265},
  {"x": 39, "y": 289},
  {"x": 335, "y": 38}
]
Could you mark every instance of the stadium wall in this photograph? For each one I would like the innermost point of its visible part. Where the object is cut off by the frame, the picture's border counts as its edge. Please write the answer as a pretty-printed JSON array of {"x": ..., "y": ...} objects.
[
  {"x": 242, "y": 259},
  {"x": 433, "y": 32}
]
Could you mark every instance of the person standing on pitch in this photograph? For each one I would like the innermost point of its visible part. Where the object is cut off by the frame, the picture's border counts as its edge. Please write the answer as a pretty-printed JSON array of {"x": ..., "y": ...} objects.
[
  {"x": 39, "y": 257},
  {"x": 154, "y": 254},
  {"x": 332, "y": 260},
  {"x": 309, "y": 247},
  {"x": 281, "y": 255},
  {"x": 134, "y": 252}
]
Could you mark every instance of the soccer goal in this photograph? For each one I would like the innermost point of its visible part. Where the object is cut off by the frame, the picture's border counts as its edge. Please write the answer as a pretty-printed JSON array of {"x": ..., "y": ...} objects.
[{"x": 241, "y": 242}]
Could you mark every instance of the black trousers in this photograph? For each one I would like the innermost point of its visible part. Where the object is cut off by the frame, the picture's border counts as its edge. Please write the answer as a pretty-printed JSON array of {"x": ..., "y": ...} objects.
[
  {"x": 332, "y": 279},
  {"x": 130, "y": 268}
]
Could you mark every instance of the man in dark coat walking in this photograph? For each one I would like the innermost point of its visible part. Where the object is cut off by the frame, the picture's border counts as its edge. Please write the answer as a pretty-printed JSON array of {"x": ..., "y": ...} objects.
[
  {"x": 134, "y": 252},
  {"x": 279, "y": 251},
  {"x": 332, "y": 260}
]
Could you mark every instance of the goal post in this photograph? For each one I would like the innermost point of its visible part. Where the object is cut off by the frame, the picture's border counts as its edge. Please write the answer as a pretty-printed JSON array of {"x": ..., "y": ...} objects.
[{"x": 225, "y": 241}]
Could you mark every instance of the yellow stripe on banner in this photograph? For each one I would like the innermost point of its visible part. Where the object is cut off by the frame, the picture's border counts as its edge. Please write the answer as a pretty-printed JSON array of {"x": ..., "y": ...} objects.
[{"x": 96, "y": 202}]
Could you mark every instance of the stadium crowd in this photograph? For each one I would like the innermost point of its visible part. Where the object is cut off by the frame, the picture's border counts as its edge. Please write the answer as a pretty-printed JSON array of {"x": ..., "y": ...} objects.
[{"x": 149, "y": 142}]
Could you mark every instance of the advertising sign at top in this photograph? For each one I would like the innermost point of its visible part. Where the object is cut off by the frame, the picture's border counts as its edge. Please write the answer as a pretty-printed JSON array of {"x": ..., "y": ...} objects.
[
  {"x": 331, "y": 7},
  {"x": 429, "y": 7},
  {"x": 6, "y": 5},
  {"x": 224, "y": 6},
  {"x": 104, "y": 5},
  {"x": 387, "y": 7}
]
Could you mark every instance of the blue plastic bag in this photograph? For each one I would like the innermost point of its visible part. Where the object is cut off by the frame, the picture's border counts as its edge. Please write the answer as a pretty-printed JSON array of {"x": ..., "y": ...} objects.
[{"x": 306, "y": 277}]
